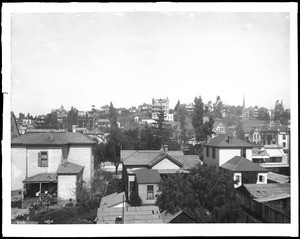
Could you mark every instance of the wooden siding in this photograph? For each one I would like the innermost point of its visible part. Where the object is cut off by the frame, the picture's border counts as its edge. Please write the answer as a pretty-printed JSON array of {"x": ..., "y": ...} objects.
[
  {"x": 54, "y": 159},
  {"x": 165, "y": 164},
  {"x": 142, "y": 191},
  {"x": 18, "y": 167},
  {"x": 82, "y": 156}
]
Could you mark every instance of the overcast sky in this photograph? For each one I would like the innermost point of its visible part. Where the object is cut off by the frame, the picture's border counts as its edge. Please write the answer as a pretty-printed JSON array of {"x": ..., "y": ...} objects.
[{"x": 84, "y": 59}]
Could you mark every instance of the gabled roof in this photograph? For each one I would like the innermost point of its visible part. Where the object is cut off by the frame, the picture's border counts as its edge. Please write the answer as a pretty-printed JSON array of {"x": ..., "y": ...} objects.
[
  {"x": 167, "y": 217},
  {"x": 241, "y": 164},
  {"x": 163, "y": 156},
  {"x": 54, "y": 138},
  {"x": 144, "y": 157},
  {"x": 42, "y": 178},
  {"x": 147, "y": 176},
  {"x": 132, "y": 215},
  {"x": 223, "y": 142},
  {"x": 112, "y": 200},
  {"x": 188, "y": 161},
  {"x": 67, "y": 167}
]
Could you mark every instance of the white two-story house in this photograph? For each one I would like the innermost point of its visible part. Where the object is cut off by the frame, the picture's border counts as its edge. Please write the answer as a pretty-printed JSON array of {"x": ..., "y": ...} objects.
[
  {"x": 44, "y": 160},
  {"x": 223, "y": 148}
]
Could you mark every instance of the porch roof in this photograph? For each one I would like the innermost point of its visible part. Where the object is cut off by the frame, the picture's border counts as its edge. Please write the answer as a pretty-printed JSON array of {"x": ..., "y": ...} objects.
[{"x": 42, "y": 178}]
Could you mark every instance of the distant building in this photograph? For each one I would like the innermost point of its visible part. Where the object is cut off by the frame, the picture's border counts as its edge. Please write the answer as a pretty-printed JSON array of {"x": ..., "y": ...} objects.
[
  {"x": 245, "y": 171},
  {"x": 224, "y": 147},
  {"x": 160, "y": 105},
  {"x": 104, "y": 109},
  {"x": 61, "y": 113}
]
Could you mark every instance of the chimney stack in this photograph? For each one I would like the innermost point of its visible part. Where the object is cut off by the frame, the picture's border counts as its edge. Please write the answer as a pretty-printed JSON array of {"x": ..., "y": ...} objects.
[{"x": 165, "y": 149}]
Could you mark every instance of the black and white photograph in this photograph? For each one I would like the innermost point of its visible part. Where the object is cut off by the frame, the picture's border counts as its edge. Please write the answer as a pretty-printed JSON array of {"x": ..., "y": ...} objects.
[{"x": 183, "y": 114}]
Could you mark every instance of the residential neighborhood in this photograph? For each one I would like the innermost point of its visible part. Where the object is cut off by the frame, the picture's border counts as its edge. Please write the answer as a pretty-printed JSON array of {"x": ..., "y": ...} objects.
[
  {"x": 180, "y": 118},
  {"x": 124, "y": 161}
]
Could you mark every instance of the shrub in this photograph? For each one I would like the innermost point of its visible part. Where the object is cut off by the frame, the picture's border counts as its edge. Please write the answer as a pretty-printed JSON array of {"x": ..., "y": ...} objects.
[{"x": 135, "y": 200}]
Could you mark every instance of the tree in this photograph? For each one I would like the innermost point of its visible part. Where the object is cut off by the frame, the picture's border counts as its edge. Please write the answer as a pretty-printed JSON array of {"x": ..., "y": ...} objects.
[
  {"x": 177, "y": 106},
  {"x": 278, "y": 110},
  {"x": 207, "y": 195},
  {"x": 240, "y": 132},
  {"x": 72, "y": 118},
  {"x": 147, "y": 137},
  {"x": 161, "y": 132},
  {"x": 207, "y": 128},
  {"x": 134, "y": 199},
  {"x": 113, "y": 116},
  {"x": 113, "y": 146},
  {"x": 197, "y": 118},
  {"x": 263, "y": 114},
  {"x": 218, "y": 108},
  {"x": 51, "y": 121},
  {"x": 21, "y": 116}
]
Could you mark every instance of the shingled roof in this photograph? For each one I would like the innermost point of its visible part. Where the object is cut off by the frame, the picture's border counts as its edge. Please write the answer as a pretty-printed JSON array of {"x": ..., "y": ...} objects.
[
  {"x": 227, "y": 141},
  {"x": 241, "y": 164},
  {"x": 42, "y": 178},
  {"x": 147, "y": 176},
  {"x": 112, "y": 200},
  {"x": 52, "y": 138},
  {"x": 132, "y": 215},
  {"x": 270, "y": 190},
  {"x": 67, "y": 167}
]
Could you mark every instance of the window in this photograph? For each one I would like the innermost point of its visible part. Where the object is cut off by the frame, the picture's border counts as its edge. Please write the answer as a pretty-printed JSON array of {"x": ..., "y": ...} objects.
[
  {"x": 214, "y": 153},
  {"x": 237, "y": 179},
  {"x": 243, "y": 153},
  {"x": 261, "y": 178},
  {"x": 150, "y": 192},
  {"x": 284, "y": 144},
  {"x": 207, "y": 151},
  {"x": 43, "y": 159},
  {"x": 284, "y": 136}
]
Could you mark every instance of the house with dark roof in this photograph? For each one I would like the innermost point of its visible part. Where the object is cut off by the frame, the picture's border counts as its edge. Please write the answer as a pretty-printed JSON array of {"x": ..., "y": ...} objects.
[
  {"x": 245, "y": 171},
  {"x": 157, "y": 162},
  {"x": 224, "y": 147},
  {"x": 39, "y": 154}
]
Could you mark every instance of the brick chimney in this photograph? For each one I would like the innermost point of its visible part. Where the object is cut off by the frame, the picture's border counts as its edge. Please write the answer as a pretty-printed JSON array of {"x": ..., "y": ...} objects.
[{"x": 165, "y": 149}]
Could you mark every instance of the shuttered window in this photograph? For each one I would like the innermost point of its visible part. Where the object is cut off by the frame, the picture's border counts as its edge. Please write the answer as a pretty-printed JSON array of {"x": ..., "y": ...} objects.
[{"x": 43, "y": 159}]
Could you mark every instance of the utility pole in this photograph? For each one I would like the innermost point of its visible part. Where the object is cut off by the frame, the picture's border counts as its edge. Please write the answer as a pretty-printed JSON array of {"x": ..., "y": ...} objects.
[{"x": 123, "y": 213}]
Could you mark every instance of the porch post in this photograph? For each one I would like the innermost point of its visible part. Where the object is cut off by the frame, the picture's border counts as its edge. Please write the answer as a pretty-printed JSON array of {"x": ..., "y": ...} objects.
[{"x": 40, "y": 189}]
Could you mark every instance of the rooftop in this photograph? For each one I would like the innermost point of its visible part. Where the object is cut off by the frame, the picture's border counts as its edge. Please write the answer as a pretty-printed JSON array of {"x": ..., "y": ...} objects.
[
  {"x": 42, "y": 178},
  {"x": 241, "y": 164},
  {"x": 132, "y": 215},
  {"x": 52, "y": 138},
  {"x": 112, "y": 200},
  {"x": 147, "y": 176},
  {"x": 67, "y": 167},
  {"x": 268, "y": 190},
  {"x": 227, "y": 141},
  {"x": 168, "y": 217}
]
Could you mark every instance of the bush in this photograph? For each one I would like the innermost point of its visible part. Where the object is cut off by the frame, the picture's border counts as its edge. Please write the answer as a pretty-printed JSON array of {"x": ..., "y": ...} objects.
[
  {"x": 87, "y": 196},
  {"x": 135, "y": 200}
]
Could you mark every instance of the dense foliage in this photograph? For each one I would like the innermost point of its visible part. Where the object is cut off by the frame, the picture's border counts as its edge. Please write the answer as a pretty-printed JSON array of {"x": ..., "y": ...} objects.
[{"x": 207, "y": 195}]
